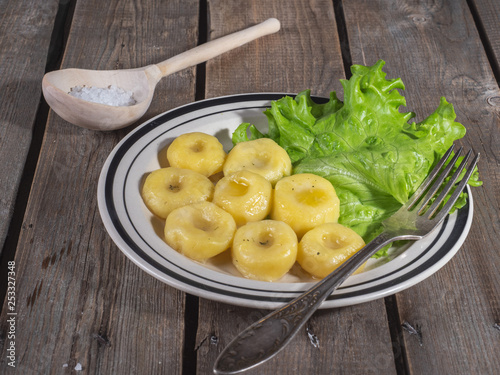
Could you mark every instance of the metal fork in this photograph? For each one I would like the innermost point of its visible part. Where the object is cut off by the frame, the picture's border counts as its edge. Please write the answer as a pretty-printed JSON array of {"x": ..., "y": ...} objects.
[{"x": 414, "y": 220}]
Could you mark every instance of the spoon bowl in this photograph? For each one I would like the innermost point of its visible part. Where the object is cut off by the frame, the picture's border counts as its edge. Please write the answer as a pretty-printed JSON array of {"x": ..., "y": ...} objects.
[{"x": 141, "y": 82}]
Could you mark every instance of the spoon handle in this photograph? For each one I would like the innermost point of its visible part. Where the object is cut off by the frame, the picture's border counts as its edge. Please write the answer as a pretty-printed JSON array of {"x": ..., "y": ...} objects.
[{"x": 217, "y": 47}]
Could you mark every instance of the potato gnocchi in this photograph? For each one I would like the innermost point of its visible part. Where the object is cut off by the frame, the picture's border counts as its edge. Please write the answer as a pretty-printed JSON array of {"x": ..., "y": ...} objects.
[
  {"x": 245, "y": 195},
  {"x": 200, "y": 230},
  {"x": 304, "y": 201},
  {"x": 166, "y": 189},
  {"x": 200, "y": 152},
  {"x": 268, "y": 218},
  {"x": 262, "y": 156},
  {"x": 264, "y": 250},
  {"x": 326, "y": 247}
]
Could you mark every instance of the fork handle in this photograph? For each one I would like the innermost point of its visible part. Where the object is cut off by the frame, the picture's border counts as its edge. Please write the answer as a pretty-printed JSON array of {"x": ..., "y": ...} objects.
[{"x": 266, "y": 337}]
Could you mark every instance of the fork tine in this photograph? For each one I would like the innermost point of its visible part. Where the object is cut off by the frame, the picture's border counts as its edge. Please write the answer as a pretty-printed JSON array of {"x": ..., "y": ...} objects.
[
  {"x": 460, "y": 187},
  {"x": 437, "y": 184},
  {"x": 421, "y": 189},
  {"x": 435, "y": 205}
]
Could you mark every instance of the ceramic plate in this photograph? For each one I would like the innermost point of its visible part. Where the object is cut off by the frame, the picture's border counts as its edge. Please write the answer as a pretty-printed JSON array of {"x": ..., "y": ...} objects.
[{"x": 139, "y": 235}]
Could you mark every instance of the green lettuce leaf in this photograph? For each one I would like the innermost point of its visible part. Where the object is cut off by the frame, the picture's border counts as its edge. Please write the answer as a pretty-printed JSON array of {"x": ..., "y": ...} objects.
[{"x": 365, "y": 146}]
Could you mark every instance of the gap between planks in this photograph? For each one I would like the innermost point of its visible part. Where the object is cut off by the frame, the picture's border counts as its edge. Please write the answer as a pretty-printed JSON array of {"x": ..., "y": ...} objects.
[
  {"x": 192, "y": 303},
  {"x": 393, "y": 321},
  {"x": 338, "y": 10},
  {"x": 57, "y": 45},
  {"x": 485, "y": 41}
]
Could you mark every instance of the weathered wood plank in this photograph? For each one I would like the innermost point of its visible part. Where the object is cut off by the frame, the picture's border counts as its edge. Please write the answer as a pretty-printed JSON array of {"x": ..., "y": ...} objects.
[
  {"x": 25, "y": 31},
  {"x": 349, "y": 340},
  {"x": 80, "y": 300},
  {"x": 304, "y": 54},
  {"x": 435, "y": 48}
]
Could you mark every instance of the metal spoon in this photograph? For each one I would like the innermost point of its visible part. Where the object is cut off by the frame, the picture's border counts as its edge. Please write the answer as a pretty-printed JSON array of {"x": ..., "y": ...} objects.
[{"x": 141, "y": 82}]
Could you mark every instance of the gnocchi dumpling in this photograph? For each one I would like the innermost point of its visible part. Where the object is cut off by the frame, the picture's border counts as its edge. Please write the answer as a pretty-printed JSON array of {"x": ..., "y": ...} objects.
[
  {"x": 326, "y": 247},
  {"x": 245, "y": 195},
  {"x": 304, "y": 201},
  {"x": 165, "y": 189},
  {"x": 264, "y": 250},
  {"x": 262, "y": 156},
  {"x": 200, "y": 152},
  {"x": 200, "y": 230}
]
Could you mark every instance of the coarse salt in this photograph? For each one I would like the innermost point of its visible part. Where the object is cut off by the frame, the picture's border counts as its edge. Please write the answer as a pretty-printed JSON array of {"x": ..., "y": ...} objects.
[{"x": 111, "y": 95}]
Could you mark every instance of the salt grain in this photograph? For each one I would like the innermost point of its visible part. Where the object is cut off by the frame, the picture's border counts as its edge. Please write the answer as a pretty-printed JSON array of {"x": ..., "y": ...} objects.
[
  {"x": 78, "y": 367},
  {"x": 111, "y": 95}
]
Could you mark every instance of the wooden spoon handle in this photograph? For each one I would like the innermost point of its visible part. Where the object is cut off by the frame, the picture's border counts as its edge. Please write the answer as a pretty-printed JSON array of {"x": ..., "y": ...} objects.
[{"x": 217, "y": 47}]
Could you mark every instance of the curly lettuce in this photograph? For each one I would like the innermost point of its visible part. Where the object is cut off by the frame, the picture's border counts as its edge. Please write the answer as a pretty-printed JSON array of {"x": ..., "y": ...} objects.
[{"x": 365, "y": 146}]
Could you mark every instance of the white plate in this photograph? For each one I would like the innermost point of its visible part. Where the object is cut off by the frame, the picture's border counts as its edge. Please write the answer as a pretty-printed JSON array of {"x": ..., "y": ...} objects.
[{"x": 139, "y": 235}]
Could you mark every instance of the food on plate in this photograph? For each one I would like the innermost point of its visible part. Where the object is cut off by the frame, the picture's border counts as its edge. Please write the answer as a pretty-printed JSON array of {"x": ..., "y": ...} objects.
[
  {"x": 245, "y": 195},
  {"x": 199, "y": 230},
  {"x": 264, "y": 250},
  {"x": 166, "y": 189},
  {"x": 304, "y": 201},
  {"x": 338, "y": 170},
  {"x": 202, "y": 220},
  {"x": 365, "y": 146},
  {"x": 262, "y": 156},
  {"x": 200, "y": 152},
  {"x": 326, "y": 247}
]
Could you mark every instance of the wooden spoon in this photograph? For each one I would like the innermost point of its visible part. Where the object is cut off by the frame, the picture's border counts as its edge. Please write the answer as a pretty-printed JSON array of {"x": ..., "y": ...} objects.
[{"x": 142, "y": 82}]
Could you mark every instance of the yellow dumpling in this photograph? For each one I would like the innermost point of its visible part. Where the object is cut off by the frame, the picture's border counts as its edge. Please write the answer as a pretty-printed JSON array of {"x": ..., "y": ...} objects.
[
  {"x": 245, "y": 195},
  {"x": 200, "y": 152},
  {"x": 166, "y": 189},
  {"x": 264, "y": 250},
  {"x": 262, "y": 156},
  {"x": 305, "y": 201},
  {"x": 200, "y": 230},
  {"x": 326, "y": 247}
]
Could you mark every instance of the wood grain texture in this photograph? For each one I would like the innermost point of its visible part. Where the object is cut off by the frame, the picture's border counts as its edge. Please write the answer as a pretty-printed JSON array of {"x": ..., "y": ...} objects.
[
  {"x": 305, "y": 54},
  {"x": 349, "y": 340},
  {"x": 80, "y": 300},
  {"x": 25, "y": 31},
  {"x": 435, "y": 48}
]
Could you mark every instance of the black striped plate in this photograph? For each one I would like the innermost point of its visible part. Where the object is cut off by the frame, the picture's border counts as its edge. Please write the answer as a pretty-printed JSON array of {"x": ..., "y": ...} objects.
[{"x": 139, "y": 235}]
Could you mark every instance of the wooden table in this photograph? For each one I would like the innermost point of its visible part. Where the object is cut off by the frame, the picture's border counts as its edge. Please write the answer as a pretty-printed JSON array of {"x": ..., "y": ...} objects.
[{"x": 82, "y": 304}]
